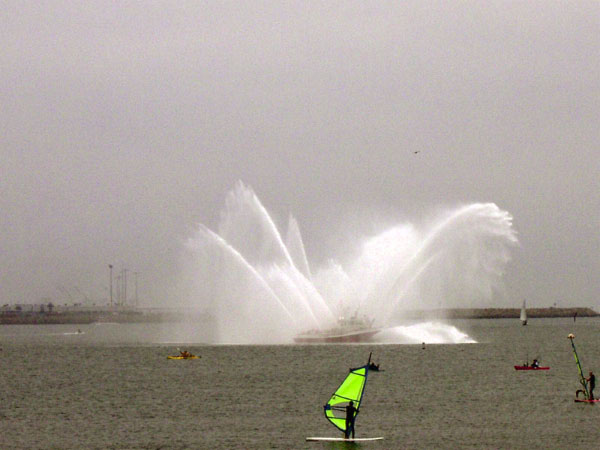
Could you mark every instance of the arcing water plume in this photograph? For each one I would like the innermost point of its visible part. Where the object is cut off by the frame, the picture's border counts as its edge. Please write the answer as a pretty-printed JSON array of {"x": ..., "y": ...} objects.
[
  {"x": 456, "y": 262},
  {"x": 262, "y": 290},
  {"x": 296, "y": 247}
]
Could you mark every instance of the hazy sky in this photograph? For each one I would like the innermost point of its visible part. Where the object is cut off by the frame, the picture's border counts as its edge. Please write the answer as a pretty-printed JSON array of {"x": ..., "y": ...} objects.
[{"x": 125, "y": 124}]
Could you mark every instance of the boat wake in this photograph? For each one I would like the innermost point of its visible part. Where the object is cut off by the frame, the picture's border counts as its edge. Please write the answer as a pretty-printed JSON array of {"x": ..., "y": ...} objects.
[{"x": 427, "y": 332}]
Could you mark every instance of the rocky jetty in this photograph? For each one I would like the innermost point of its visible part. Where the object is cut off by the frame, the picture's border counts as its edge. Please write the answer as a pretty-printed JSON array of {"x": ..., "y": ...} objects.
[{"x": 500, "y": 313}]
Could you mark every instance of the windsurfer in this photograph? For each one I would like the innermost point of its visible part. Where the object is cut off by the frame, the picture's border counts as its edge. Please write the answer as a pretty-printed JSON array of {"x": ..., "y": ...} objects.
[
  {"x": 350, "y": 416},
  {"x": 591, "y": 384}
]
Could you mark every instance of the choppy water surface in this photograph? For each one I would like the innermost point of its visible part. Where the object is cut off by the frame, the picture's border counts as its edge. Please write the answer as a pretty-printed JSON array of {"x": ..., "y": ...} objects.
[{"x": 112, "y": 387}]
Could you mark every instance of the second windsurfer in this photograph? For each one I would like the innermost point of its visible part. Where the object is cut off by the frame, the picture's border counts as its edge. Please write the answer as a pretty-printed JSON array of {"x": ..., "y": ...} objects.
[{"x": 591, "y": 384}]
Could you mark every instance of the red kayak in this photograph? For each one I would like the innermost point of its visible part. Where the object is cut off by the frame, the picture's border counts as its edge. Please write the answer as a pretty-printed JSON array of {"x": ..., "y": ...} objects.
[
  {"x": 531, "y": 368},
  {"x": 585, "y": 400}
]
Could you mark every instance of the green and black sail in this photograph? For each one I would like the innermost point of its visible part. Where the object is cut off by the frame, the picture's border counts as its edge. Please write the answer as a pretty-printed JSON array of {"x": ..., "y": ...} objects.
[
  {"x": 582, "y": 379},
  {"x": 351, "y": 389}
]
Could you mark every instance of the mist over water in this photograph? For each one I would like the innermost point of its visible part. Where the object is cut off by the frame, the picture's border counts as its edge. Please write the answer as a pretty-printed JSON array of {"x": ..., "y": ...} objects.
[
  {"x": 427, "y": 332},
  {"x": 260, "y": 287}
]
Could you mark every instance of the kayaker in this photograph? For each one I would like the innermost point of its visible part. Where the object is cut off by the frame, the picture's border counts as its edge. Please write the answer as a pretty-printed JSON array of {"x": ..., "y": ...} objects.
[
  {"x": 350, "y": 416},
  {"x": 591, "y": 384},
  {"x": 185, "y": 354},
  {"x": 535, "y": 364}
]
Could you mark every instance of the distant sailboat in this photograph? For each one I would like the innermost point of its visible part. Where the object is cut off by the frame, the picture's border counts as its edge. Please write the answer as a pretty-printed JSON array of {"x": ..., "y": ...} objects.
[{"x": 524, "y": 314}]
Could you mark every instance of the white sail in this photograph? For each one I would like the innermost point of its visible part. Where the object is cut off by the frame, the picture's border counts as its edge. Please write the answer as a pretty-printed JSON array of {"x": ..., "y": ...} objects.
[{"x": 524, "y": 314}]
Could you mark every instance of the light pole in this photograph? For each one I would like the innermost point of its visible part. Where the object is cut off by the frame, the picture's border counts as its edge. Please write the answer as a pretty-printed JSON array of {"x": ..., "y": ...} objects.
[
  {"x": 136, "y": 292},
  {"x": 119, "y": 298},
  {"x": 124, "y": 287},
  {"x": 110, "y": 269}
]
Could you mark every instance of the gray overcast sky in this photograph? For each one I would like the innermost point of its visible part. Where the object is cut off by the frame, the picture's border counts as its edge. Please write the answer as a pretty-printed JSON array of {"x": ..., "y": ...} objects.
[{"x": 124, "y": 124}]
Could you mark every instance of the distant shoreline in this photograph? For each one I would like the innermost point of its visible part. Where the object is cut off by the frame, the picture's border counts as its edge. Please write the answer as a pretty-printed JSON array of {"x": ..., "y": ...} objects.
[
  {"x": 98, "y": 316},
  {"x": 501, "y": 313},
  {"x": 144, "y": 316}
]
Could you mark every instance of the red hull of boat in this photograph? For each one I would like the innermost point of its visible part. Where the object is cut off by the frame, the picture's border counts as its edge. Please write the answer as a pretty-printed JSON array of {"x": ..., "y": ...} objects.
[
  {"x": 531, "y": 368},
  {"x": 359, "y": 336}
]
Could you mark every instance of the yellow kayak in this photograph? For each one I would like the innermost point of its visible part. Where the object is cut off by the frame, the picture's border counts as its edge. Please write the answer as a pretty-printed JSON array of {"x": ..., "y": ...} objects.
[{"x": 183, "y": 357}]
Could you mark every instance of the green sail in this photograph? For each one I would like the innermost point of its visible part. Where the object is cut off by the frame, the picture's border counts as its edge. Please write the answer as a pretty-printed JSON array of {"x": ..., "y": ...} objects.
[
  {"x": 352, "y": 388},
  {"x": 582, "y": 379}
]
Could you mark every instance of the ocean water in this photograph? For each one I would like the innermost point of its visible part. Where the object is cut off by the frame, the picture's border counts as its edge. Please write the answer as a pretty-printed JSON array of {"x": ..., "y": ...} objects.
[{"x": 111, "y": 387}]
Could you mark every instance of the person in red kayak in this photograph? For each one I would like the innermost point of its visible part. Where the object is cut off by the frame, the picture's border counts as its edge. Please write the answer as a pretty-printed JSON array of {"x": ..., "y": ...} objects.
[
  {"x": 350, "y": 416},
  {"x": 535, "y": 364},
  {"x": 591, "y": 384}
]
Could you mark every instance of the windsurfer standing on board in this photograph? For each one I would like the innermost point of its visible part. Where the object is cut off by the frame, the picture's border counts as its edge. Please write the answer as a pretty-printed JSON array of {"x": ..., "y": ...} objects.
[
  {"x": 591, "y": 384},
  {"x": 350, "y": 416}
]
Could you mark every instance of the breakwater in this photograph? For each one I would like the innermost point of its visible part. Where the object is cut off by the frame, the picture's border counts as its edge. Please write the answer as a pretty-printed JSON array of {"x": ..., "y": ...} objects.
[
  {"x": 153, "y": 316},
  {"x": 98, "y": 316},
  {"x": 501, "y": 313}
]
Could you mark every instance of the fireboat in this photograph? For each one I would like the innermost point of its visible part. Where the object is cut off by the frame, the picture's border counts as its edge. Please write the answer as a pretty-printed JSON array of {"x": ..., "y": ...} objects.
[{"x": 347, "y": 330}]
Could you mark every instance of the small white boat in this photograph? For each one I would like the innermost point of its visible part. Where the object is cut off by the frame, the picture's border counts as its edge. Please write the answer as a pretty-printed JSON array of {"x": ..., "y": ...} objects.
[{"x": 524, "y": 314}]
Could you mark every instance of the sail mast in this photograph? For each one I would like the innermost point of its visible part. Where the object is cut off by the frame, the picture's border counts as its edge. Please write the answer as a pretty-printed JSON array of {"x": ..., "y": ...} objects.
[{"x": 581, "y": 377}]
